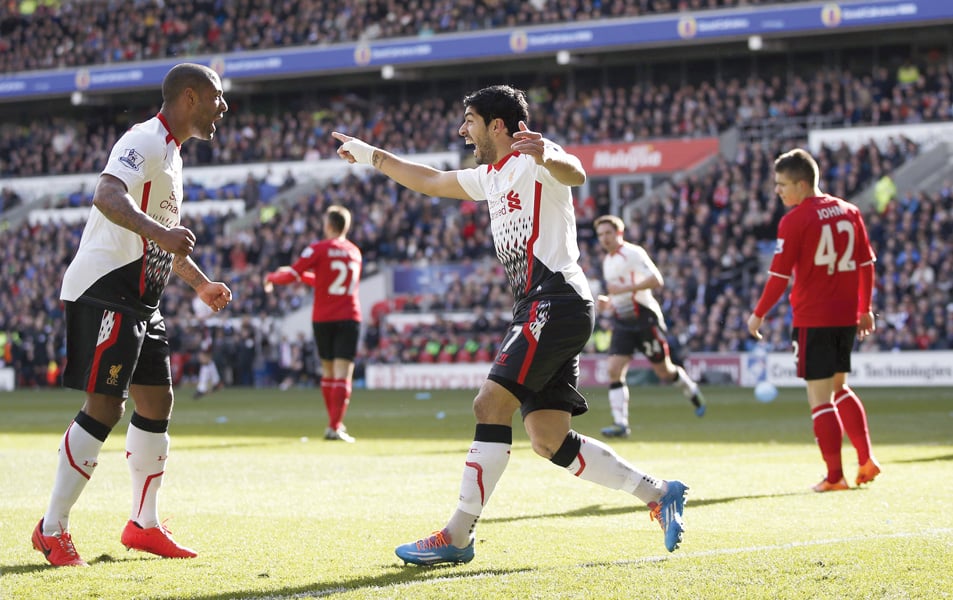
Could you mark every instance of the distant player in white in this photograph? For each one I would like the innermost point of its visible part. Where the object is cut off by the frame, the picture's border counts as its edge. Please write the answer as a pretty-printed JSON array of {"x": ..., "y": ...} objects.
[
  {"x": 525, "y": 180},
  {"x": 638, "y": 324},
  {"x": 115, "y": 336}
]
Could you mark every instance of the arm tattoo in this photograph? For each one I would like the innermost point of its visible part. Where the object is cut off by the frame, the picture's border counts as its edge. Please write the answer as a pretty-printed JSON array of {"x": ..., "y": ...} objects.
[
  {"x": 378, "y": 159},
  {"x": 190, "y": 272},
  {"x": 118, "y": 206}
]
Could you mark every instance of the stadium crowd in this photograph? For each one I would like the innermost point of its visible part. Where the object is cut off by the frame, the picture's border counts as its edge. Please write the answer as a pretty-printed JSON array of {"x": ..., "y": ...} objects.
[
  {"x": 569, "y": 114},
  {"x": 709, "y": 285},
  {"x": 73, "y": 33},
  {"x": 708, "y": 237}
]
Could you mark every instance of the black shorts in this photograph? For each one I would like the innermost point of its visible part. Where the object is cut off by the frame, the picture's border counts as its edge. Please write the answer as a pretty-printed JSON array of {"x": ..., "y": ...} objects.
[
  {"x": 821, "y": 352},
  {"x": 106, "y": 351},
  {"x": 650, "y": 341},
  {"x": 538, "y": 359},
  {"x": 336, "y": 339}
]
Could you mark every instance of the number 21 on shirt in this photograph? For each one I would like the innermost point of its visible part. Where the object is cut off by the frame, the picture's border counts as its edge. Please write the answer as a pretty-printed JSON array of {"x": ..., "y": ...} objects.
[{"x": 345, "y": 279}]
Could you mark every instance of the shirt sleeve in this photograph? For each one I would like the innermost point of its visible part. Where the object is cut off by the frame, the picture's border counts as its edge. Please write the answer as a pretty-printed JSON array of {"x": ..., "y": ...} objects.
[
  {"x": 865, "y": 254},
  {"x": 785, "y": 249},
  {"x": 469, "y": 180},
  {"x": 308, "y": 258},
  {"x": 134, "y": 158},
  {"x": 645, "y": 267},
  {"x": 771, "y": 294}
]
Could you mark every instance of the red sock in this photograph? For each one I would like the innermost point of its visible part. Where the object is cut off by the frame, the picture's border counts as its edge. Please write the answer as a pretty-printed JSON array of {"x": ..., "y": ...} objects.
[
  {"x": 342, "y": 397},
  {"x": 854, "y": 418},
  {"x": 327, "y": 391},
  {"x": 829, "y": 434}
]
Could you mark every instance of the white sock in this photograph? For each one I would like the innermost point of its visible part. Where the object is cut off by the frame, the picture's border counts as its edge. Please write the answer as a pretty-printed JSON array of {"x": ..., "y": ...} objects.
[
  {"x": 78, "y": 457},
  {"x": 686, "y": 383},
  {"x": 598, "y": 463},
  {"x": 208, "y": 378},
  {"x": 146, "y": 454},
  {"x": 485, "y": 464},
  {"x": 619, "y": 403}
]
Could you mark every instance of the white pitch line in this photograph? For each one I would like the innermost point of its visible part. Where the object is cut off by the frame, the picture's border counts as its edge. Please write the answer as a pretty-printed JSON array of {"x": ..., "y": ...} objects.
[
  {"x": 635, "y": 561},
  {"x": 786, "y": 546}
]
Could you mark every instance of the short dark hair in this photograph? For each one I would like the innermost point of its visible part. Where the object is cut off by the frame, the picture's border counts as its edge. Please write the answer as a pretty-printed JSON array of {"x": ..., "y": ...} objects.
[
  {"x": 799, "y": 165},
  {"x": 500, "y": 102},
  {"x": 339, "y": 218},
  {"x": 184, "y": 76}
]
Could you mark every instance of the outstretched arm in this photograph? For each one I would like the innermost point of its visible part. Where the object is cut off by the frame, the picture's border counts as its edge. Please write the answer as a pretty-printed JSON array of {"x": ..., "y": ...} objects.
[{"x": 416, "y": 176}]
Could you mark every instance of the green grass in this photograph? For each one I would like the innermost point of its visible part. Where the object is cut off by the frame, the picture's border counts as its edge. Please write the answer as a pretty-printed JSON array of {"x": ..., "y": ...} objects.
[{"x": 276, "y": 512}]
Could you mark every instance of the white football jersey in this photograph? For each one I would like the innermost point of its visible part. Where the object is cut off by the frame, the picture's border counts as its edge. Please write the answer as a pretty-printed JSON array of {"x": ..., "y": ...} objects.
[
  {"x": 533, "y": 225},
  {"x": 114, "y": 266},
  {"x": 630, "y": 264}
]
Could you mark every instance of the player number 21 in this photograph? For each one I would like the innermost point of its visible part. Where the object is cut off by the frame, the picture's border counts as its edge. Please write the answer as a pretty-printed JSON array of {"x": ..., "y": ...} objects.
[
  {"x": 826, "y": 253},
  {"x": 346, "y": 278}
]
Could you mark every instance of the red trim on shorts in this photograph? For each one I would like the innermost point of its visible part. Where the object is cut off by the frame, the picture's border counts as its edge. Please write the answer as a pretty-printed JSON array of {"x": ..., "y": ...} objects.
[
  {"x": 101, "y": 347},
  {"x": 663, "y": 342},
  {"x": 530, "y": 258},
  {"x": 69, "y": 453},
  {"x": 800, "y": 356},
  {"x": 531, "y": 343}
]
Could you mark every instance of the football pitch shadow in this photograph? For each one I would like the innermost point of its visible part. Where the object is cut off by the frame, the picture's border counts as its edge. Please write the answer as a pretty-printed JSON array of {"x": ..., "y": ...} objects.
[
  {"x": 925, "y": 459},
  {"x": 395, "y": 576},
  {"x": 596, "y": 510},
  {"x": 41, "y": 565}
]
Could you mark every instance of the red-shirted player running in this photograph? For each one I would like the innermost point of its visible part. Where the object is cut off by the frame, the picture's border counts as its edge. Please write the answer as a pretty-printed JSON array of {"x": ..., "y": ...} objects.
[
  {"x": 331, "y": 266},
  {"x": 822, "y": 243}
]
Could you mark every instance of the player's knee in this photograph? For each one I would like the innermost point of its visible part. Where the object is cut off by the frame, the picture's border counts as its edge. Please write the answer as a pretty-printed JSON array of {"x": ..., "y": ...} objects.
[
  {"x": 107, "y": 410},
  {"x": 665, "y": 370},
  {"x": 487, "y": 408},
  {"x": 545, "y": 446}
]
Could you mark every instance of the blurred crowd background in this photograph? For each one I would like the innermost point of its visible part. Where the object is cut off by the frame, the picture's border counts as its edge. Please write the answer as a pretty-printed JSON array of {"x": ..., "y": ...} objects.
[{"x": 710, "y": 231}]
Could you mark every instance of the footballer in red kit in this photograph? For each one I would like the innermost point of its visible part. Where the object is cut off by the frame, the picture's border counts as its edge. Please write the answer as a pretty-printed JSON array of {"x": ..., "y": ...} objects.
[
  {"x": 823, "y": 246},
  {"x": 823, "y": 239},
  {"x": 331, "y": 266},
  {"x": 335, "y": 265}
]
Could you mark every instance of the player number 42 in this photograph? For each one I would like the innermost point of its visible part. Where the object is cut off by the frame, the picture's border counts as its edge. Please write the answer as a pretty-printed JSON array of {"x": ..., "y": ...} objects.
[{"x": 826, "y": 253}]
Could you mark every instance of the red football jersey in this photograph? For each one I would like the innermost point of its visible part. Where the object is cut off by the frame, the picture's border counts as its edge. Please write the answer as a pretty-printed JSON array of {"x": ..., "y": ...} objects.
[
  {"x": 823, "y": 243},
  {"x": 336, "y": 264}
]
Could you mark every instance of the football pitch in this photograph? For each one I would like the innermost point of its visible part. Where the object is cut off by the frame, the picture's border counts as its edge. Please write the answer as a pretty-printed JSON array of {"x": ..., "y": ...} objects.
[{"x": 276, "y": 512}]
